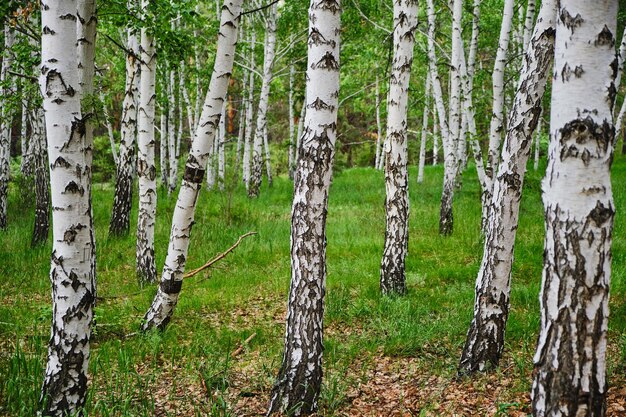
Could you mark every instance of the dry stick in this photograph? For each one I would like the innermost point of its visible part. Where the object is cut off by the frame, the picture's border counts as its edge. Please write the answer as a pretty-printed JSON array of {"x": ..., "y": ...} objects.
[
  {"x": 191, "y": 273},
  {"x": 241, "y": 346},
  {"x": 218, "y": 257}
]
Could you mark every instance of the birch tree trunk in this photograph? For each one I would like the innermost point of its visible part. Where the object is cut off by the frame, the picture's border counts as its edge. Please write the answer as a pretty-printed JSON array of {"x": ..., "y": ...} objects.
[
  {"x": 25, "y": 162},
  {"x": 146, "y": 169},
  {"x": 446, "y": 218},
  {"x": 422, "y": 157},
  {"x": 5, "y": 125},
  {"x": 392, "y": 266},
  {"x": 247, "y": 145},
  {"x": 42, "y": 177},
  {"x": 292, "y": 127},
  {"x": 497, "y": 117},
  {"x": 528, "y": 23},
  {"x": 268, "y": 157},
  {"x": 71, "y": 273},
  {"x": 164, "y": 132},
  {"x": 570, "y": 361},
  {"x": 485, "y": 339},
  {"x": 379, "y": 130},
  {"x": 123, "y": 199},
  {"x": 298, "y": 385},
  {"x": 537, "y": 144},
  {"x": 164, "y": 302},
  {"x": 435, "y": 135},
  {"x": 221, "y": 141},
  {"x": 261, "y": 117},
  {"x": 172, "y": 135},
  {"x": 455, "y": 90}
]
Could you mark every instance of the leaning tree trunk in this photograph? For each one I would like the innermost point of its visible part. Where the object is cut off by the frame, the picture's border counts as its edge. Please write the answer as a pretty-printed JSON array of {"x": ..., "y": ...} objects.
[
  {"x": 5, "y": 125},
  {"x": 123, "y": 198},
  {"x": 485, "y": 339},
  {"x": 42, "y": 178},
  {"x": 299, "y": 380},
  {"x": 73, "y": 289},
  {"x": 146, "y": 169},
  {"x": 392, "y": 266},
  {"x": 261, "y": 118},
  {"x": 164, "y": 302},
  {"x": 570, "y": 361},
  {"x": 528, "y": 23}
]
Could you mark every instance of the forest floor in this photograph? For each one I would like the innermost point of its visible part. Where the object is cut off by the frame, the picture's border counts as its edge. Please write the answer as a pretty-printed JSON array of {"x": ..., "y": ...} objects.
[{"x": 383, "y": 356}]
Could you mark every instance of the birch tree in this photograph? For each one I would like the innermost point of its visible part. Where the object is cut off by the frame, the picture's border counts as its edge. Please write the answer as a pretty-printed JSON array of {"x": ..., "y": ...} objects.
[
  {"x": 392, "y": 267},
  {"x": 123, "y": 197},
  {"x": 71, "y": 274},
  {"x": 261, "y": 118},
  {"x": 162, "y": 308},
  {"x": 146, "y": 169},
  {"x": 5, "y": 124},
  {"x": 485, "y": 339},
  {"x": 570, "y": 361},
  {"x": 41, "y": 172},
  {"x": 247, "y": 145},
  {"x": 298, "y": 385},
  {"x": 496, "y": 125},
  {"x": 422, "y": 154}
]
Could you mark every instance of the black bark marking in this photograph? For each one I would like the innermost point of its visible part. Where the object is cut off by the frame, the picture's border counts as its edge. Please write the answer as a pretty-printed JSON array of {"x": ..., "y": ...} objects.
[
  {"x": 328, "y": 62},
  {"x": 605, "y": 37},
  {"x": 601, "y": 214},
  {"x": 571, "y": 22},
  {"x": 73, "y": 188},
  {"x": 194, "y": 175},
  {"x": 171, "y": 286}
]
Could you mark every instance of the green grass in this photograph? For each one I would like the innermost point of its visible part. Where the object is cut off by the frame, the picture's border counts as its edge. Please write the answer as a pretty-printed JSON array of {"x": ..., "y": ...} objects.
[{"x": 189, "y": 364}]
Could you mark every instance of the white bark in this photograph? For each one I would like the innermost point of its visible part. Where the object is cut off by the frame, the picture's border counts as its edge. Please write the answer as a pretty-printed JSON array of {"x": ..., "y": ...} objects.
[
  {"x": 5, "y": 125},
  {"x": 446, "y": 219},
  {"x": 261, "y": 118},
  {"x": 435, "y": 135},
  {"x": 299, "y": 380},
  {"x": 164, "y": 302},
  {"x": 109, "y": 126},
  {"x": 570, "y": 361},
  {"x": 247, "y": 146},
  {"x": 497, "y": 117},
  {"x": 163, "y": 138},
  {"x": 172, "y": 134},
  {"x": 485, "y": 339},
  {"x": 392, "y": 267},
  {"x": 24, "y": 164},
  {"x": 529, "y": 23},
  {"x": 268, "y": 158},
  {"x": 455, "y": 86},
  {"x": 537, "y": 144},
  {"x": 221, "y": 141},
  {"x": 71, "y": 274},
  {"x": 292, "y": 126},
  {"x": 379, "y": 130},
  {"x": 422, "y": 156},
  {"x": 146, "y": 169}
]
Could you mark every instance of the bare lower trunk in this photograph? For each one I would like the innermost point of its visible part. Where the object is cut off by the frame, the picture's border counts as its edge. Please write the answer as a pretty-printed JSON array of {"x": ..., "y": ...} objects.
[
  {"x": 570, "y": 361},
  {"x": 299, "y": 380},
  {"x": 485, "y": 339},
  {"x": 392, "y": 266},
  {"x": 42, "y": 178},
  {"x": 422, "y": 156},
  {"x": 162, "y": 308},
  {"x": 71, "y": 274},
  {"x": 123, "y": 199},
  {"x": 379, "y": 138},
  {"x": 247, "y": 145}
]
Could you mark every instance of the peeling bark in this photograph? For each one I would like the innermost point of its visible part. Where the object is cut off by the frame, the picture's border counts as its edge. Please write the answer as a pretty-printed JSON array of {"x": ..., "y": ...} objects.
[
  {"x": 299, "y": 380},
  {"x": 570, "y": 361}
]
